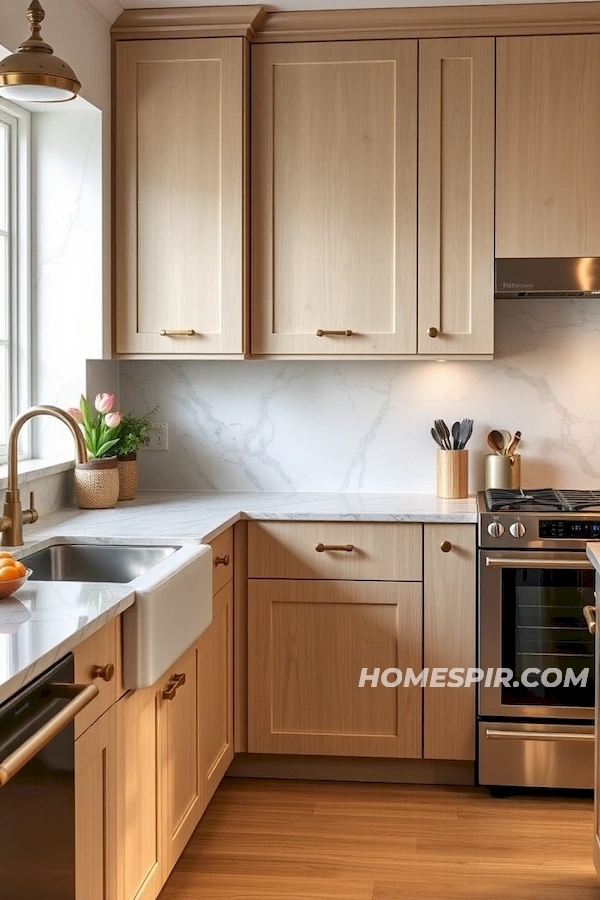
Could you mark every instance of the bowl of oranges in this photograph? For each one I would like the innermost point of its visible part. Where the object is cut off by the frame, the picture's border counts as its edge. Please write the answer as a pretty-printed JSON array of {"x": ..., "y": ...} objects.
[{"x": 13, "y": 574}]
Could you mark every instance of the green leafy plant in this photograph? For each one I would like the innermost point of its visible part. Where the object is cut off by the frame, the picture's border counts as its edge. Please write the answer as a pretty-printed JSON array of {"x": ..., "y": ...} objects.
[
  {"x": 135, "y": 432},
  {"x": 101, "y": 432}
]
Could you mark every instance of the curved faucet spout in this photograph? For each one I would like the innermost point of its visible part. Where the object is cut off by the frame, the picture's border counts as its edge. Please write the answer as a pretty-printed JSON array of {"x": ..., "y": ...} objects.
[{"x": 14, "y": 517}]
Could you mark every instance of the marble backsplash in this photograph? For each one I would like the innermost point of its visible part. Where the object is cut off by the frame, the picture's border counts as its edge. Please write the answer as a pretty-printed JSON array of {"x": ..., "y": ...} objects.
[{"x": 365, "y": 426}]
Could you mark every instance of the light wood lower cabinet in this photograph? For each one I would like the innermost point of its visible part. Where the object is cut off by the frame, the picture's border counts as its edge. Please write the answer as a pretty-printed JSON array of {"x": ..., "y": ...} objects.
[
  {"x": 449, "y": 592},
  {"x": 139, "y": 804},
  {"x": 180, "y": 741},
  {"x": 216, "y": 693},
  {"x": 96, "y": 810},
  {"x": 308, "y": 642}
]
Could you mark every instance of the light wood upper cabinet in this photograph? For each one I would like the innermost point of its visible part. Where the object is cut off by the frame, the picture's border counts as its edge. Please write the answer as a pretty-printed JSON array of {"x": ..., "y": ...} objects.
[
  {"x": 449, "y": 638},
  {"x": 548, "y": 133},
  {"x": 456, "y": 196},
  {"x": 179, "y": 196},
  {"x": 308, "y": 642},
  {"x": 96, "y": 810},
  {"x": 334, "y": 156}
]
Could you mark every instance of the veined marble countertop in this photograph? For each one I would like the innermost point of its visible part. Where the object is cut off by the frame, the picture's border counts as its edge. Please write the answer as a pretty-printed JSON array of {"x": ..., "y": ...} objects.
[
  {"x": 593, "y": 551},
  {"x": 159, "y": 516},
  {"x": 43, "y": 621}
]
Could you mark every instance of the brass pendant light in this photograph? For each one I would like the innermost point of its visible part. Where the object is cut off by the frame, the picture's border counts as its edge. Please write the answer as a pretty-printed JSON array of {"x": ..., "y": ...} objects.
[{"x": 33, "y": 73}]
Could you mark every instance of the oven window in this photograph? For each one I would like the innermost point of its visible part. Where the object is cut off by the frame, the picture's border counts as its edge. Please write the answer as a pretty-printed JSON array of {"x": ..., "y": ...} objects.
[{"x": 543, "y": 628}]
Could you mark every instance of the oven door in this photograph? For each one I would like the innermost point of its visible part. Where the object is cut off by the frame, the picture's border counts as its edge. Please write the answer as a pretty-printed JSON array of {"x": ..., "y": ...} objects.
[{"x": 530, "y": 618}]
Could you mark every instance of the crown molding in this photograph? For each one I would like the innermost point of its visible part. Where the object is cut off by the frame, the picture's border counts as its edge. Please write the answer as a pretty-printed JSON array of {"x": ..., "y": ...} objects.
[
  {"x": 199, "y": 21},
  {"x": 105, "y": 10},
  {"x": 433, "y": 21}
]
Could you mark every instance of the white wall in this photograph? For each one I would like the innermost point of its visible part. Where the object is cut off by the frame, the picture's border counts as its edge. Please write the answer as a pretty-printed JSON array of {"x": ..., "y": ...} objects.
[{"x": 365, "y": 426}]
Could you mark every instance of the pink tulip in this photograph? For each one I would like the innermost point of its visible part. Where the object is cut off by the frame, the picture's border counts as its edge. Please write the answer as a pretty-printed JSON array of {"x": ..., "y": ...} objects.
[
  {"x": 76, "y": 413},
  {"x": 104, "y": 402},
  {"x": 113, "y": 420}
]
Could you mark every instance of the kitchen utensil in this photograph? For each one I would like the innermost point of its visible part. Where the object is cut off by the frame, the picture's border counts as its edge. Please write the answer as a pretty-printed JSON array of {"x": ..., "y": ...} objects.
[
  {"x": 465, "y": 432},
  {"x": 507, "y": 438},
  {"x": 443, "y": 433},
  {"x": 437, "y": 438},
  {"x": 452, "y": 479},
  {"x": 456, "y": 436},
  {"x": 510, "y": 450},
  {"x": 495, "y": 440}
]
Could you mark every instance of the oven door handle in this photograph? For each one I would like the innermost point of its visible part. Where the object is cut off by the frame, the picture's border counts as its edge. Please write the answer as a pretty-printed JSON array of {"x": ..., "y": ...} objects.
[
  {"x": 494, "y": 734},
  {"x": 530, "y": 562},
  {"x": 589, "y": 614},
  {"x": 81, "y": 695}
]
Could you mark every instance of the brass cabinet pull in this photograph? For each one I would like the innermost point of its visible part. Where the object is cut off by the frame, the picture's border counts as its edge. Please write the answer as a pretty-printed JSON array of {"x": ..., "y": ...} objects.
[
  {"x": 171, "y": 689},
  {"x": 445, "y": 546},
  {"x": 188, "y": 332},
  {"x": 432, "y": 332},
  {"x": 80, "y": 695},
  {"x": 348, "y": 548},
  {"x": 105, "y": 672},
  {"x": 222, "y": 560},
  {"x": 589, "y": 614},
  {"x": 323, "y": 332}
]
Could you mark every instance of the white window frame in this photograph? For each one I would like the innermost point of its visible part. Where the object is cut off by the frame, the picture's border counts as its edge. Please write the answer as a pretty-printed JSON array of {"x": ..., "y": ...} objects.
[{"x": 19, "y": 312}]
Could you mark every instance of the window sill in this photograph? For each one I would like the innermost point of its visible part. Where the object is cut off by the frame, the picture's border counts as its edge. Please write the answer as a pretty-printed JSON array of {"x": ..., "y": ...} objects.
[{"x": 32, "y": 469}]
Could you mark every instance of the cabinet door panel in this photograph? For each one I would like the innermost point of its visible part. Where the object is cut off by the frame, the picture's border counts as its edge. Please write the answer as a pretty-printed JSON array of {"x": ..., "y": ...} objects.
[
  {"x": 216, "y": 693},
  {"x": 139, "y": 856},
  {"x": 96, "y": 810},
  {"x": 334, "y": 197},
  {"x": 548, "y": 132},
  {"x": 180, "y": 735},
  {"x": 179, "y": 195},
  {"x": 308, "y": 643},
  {"x": 449, "y": 584},
  {"x": 456, "y": 195}
]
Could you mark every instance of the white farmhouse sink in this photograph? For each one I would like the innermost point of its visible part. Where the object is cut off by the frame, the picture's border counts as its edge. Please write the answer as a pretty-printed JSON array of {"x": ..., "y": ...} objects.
[{"x": 173, "y": 607}]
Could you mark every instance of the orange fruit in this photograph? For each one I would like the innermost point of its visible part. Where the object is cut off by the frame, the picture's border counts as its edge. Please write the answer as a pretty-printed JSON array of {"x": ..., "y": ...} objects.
[
  {"x": 20, "y": 569},
  {"x": 4, "y": 554},
  {"x": 9, "y": 573},
  {"x": 7, "y": 562}
]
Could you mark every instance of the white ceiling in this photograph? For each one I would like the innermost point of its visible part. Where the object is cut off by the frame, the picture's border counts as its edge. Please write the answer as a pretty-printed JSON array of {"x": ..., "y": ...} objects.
[{"x": 311, "y": 4}]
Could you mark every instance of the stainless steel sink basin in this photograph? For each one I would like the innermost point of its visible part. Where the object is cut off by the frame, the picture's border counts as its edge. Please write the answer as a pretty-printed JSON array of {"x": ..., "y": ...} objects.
[{"x": 92, "y": 562}]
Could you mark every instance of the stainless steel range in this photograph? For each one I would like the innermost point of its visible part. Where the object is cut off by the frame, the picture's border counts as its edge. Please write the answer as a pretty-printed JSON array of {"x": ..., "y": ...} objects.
[{"x": 536, "y": 701}]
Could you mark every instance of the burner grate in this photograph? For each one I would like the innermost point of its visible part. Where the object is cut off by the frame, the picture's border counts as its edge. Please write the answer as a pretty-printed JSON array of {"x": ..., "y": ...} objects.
[{"x": 563, "y": 501}]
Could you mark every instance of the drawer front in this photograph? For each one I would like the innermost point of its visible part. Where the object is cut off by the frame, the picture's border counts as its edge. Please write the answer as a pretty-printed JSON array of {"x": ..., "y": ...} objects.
[
  {"x": 101, "y": 649},
  {"x": 373, "y": 551},
  {"x": 222, "y": 548}
]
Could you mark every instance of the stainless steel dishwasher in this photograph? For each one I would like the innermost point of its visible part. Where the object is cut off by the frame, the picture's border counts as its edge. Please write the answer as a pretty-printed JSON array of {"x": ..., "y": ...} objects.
[{"x": 37, "y": 786}]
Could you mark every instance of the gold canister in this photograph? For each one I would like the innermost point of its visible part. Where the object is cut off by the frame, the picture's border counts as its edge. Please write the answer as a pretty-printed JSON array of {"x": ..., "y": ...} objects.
[
  {"x": 502, "y": 471},
  {"x": 452, "y": 474}
]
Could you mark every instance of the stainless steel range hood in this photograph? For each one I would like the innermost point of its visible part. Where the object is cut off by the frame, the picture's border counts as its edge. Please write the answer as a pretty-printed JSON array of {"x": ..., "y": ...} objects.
[{"x": 577, "y": 276}]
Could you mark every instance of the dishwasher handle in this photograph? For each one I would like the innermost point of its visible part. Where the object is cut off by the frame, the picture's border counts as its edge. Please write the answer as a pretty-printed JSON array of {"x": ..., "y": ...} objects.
[{"x": 80, "y": 695}]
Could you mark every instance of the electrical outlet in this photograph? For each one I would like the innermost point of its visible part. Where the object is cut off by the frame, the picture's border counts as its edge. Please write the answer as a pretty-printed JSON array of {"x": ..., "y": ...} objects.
[{"x": 159, "y": 439}]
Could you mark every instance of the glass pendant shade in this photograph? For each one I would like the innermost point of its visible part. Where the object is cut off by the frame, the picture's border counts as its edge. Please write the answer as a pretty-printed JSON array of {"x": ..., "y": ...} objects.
[{"x": 33, "y": 73}]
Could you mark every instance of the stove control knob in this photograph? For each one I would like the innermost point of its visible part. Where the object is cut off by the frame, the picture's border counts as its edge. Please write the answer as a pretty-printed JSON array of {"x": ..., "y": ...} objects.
[
  {"x": 496, "y": 529},
  {"x": 517, "y": 529}
]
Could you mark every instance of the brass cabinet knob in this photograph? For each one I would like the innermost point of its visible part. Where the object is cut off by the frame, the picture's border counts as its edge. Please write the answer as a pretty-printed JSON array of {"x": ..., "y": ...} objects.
[
  {"x": 175, "y": 682},
  {"x": 222, "y": 560},
  {"x": 105, "y": 672},
  {"x": 445, "y": 546},
  {"x": 432, "y": 332}
]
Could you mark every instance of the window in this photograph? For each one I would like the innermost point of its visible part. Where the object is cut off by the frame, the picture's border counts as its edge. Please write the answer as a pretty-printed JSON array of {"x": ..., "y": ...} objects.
[{"x": 14, "y": 266}]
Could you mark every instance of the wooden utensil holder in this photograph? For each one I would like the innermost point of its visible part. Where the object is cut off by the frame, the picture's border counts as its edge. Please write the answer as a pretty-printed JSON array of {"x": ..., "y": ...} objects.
[{"x": 452, "y": 474}]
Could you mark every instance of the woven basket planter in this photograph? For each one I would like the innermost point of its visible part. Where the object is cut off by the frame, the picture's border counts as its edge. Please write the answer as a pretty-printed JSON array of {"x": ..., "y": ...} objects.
[
  {"x": 128, "y": 476},
  {"x": 97, "y": 483}
]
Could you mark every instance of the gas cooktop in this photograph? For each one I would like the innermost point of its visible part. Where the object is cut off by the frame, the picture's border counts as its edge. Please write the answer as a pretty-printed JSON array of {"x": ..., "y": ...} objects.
[{"x": 540, "y": 499}]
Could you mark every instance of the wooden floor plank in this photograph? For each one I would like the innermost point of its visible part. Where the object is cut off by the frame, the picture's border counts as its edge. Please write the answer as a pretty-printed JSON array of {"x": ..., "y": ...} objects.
[{"x": 278, "y": 840}]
